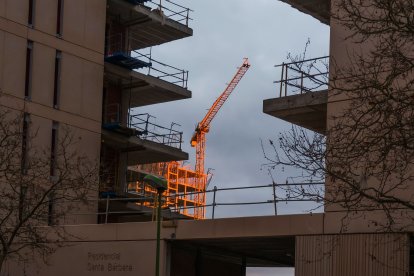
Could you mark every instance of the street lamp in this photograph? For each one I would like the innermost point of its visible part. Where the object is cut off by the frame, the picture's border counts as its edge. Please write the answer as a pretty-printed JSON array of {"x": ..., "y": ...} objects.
[{"x": 160, "y": 184}]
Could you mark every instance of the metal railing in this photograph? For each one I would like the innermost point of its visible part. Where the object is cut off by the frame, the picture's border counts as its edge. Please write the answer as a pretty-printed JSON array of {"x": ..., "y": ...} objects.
[
  {"x": 171, "y": 10},
  {"x": 144, "y": 200},
  {"x": 162, "y": 70},
  {"x": 116, "y": 44},
  {"x": 156, "y": 133},
  {"x": 303, "y": 76}
]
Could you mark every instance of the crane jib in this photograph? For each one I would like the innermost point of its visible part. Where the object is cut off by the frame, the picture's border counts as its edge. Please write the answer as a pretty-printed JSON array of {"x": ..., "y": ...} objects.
[{"x": 199, "y": 137}]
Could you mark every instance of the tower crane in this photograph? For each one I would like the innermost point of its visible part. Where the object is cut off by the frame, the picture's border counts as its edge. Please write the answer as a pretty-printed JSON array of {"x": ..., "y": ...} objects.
[
  {"x": 198, "y": 139},
  {"x": 181, "y": 180}
]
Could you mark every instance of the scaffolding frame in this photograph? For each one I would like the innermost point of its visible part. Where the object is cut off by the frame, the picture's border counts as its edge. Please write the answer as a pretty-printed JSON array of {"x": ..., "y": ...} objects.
[{"x": 186, "y": 188}]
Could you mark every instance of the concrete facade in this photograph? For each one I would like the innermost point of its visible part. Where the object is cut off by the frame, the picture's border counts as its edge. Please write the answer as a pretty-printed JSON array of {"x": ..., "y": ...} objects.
[
  {"x": 89, "y": 86},
  {"x": 344, "y": 247},
  {"x": 52, "y": 68},
  {"x": 80, "y": 78},
  {"x": 70, "y": 84},
  {"x": 226, "y": 247}
]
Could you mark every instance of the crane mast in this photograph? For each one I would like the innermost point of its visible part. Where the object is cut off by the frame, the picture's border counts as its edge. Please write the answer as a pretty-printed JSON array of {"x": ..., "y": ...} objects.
[
  {"x": 186, "y": 187},
  {"x": 198, "y": 139}
]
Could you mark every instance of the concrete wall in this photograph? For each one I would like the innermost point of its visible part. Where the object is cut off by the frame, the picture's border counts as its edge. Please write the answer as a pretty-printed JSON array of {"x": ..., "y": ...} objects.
[
  {"x": 112, "y": 249},
  {"x": 81, "y": 72},
  {"x": 345, "y": 51},
  {"x": 13, "y": 63},
  {"x": 133, "y": 245},
  {"x": 14, "y": 10},
  {"x": 121, "y": 258},
  {"x": 354, "y": 254}
]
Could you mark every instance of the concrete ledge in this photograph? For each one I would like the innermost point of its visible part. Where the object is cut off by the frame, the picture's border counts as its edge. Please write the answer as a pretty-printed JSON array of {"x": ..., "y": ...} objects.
[
  {"x": 144, "y": 89},
  {"x": 149, "y": 27},
  {"x": 266, "y": 226},
  {"x": 142, "y": 151},
  {"x": 319, "y": 9},
  {"x": 306, "y": 110}
]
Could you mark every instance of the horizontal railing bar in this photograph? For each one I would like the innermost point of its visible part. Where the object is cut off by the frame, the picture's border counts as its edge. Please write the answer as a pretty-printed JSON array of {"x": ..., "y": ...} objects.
[
  {"x": 306, "y": 60},
  {"x": 298, "y": 78}
]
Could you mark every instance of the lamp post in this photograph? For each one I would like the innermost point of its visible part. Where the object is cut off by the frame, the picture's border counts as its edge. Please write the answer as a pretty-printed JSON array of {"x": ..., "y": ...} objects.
[{"x": 160, "y": 184}]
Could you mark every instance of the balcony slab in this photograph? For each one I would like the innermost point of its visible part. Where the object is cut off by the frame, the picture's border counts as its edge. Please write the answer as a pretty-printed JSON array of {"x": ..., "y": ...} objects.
[
  {"x": 141, "y": 151},
  {"x": 319, "y": 9},
  {"x": 144, "y": 89},
  {"x": 306, "y": 110},
  {"x": 148, "y": 27}
]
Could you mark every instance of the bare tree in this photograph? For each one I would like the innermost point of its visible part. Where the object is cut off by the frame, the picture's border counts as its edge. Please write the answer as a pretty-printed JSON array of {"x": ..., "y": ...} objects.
[
  {"x": 38, "y": 188},
  {"x": 366, "y": 157}
]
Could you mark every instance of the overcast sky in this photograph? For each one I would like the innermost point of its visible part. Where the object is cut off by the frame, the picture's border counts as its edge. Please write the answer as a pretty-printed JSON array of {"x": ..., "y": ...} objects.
[{"x": 226, "y": 31}]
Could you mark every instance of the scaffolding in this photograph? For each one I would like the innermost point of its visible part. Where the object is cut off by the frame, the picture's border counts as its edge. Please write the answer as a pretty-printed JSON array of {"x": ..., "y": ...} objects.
[{"x": 186, "y": 188}]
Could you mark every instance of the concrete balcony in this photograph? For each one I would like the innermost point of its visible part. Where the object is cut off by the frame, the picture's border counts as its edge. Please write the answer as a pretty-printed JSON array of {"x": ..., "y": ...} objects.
[
  {"x": 306, "y": 110},
  {"x": 149, "y": 23},
  {"x": 153, "y": 84},
  {"x": 144, "y": 142},
  {"x": 303, "y": 95},
  {"x": 319, "y": 9}
]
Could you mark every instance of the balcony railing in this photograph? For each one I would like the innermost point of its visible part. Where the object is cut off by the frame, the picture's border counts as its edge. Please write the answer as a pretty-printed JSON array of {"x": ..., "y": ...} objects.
[
  {"x": 162, "y": 70},
  {"x": 171, "y": 10},
  {"x": 115, "y": 45},
  {"x": 304, "y": 76},
  {"x": 167, "y": 8},
  {"x": 156, "y": 133},
  {"x": 268, "y": 198},
  {"x": 142, "y": 126}
]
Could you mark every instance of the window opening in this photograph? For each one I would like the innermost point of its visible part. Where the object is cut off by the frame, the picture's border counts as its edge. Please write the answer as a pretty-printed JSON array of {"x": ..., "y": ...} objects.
[
  {"x": 31, "y": 11},
  {"x": 56, "y": 89},
  {"x": 59, "y": 18},
  {"x": 53, "y": 149},
  {"x": 28, "y": 77},
  {"x": 25, "y": 138}
]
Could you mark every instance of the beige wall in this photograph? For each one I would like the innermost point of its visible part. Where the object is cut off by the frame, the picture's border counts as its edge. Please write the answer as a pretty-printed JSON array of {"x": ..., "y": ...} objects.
[
  {"x": 81, "y": 87},
  {"x": 316, "y": 253},
  {"x": 121, "y": 258},
  {"x": 84, "y": 23},
  {"x": 13, "y": 63},
  {"x": 130, "y": 245},
  {"x": 356, "y": 254},
  {"x": 42, "y": 84},
  {"x": 344, "y": 51},
  {"x": 15, "y": 10},
  {"x": 45, "y": 16},
  {"x": 81, "y": 77},
  {"x": 82, "y": 60}
]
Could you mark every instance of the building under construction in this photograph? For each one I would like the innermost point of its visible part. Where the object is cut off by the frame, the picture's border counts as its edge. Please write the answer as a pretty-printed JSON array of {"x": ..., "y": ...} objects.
[
  {"x": 134, "y": 78},
  {"x": 85, "y": 64},
  {"x": 186, "y": 187}
]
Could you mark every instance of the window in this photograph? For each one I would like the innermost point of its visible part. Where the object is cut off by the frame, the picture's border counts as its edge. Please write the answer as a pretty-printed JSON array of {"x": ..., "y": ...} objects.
[
  {"x": 23, "y": 202},
  {"x": 25, "y": 141},
  {"x": 56, "y": 89},
  {"x": 28, "y": 77},
  {"x": 59, "y": 18},
  {"x": 31, "y": 11},
  {"x": 50, "y": 209},
  {"x": 53, "y": 160},
  {"x": 53, "y": 148}
]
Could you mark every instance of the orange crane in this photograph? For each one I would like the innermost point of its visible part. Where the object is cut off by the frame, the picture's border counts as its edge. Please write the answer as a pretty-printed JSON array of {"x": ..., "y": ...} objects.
[
  {"x": 198, "y": 139},
  {"x": 186, "y": 188}
]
